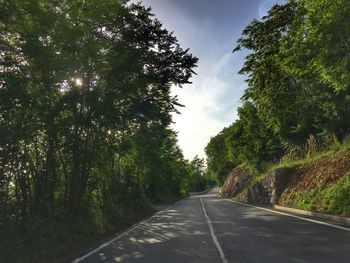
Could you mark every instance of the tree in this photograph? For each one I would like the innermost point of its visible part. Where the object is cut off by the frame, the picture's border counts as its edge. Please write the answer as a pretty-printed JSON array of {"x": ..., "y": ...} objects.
[
  {"x": 325, "y": 31},
  {"x": 277, "y": 95},
  {"x": 217, "y": 157},
  {"x": 249, "y": 140},
  {"x": 297, "y": 85},
  {"x": 85, "y": 98}
]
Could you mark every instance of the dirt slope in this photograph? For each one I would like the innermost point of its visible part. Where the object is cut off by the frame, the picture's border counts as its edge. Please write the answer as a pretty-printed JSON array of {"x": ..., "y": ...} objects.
[
  {"x": 319, "y": 173},
  {"x": 321, "y": 185}
]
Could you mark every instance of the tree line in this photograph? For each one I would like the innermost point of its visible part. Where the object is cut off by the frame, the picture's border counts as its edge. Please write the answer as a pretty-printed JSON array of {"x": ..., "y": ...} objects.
[
  {"x": 298, "y": 95},
  {"x": 85, "y": 109}
]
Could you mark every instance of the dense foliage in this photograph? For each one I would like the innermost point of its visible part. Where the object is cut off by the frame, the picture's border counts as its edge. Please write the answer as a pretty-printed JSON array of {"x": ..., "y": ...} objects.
[
  {"x": 85, "y": 109},
  {"x": 298, "y": 95}
]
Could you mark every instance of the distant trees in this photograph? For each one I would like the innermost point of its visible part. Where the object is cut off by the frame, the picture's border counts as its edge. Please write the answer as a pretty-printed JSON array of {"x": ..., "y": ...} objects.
[
  {"x": 85, "y": 106},
  {"x": 298, "y": 84},
  {"x": 218, "y": 162},
  {"x": 199, "y": 178}
]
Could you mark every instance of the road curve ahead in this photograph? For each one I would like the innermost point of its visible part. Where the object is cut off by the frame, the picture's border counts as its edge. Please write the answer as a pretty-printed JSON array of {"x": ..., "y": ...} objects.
[{"x": 208, "y": 229}]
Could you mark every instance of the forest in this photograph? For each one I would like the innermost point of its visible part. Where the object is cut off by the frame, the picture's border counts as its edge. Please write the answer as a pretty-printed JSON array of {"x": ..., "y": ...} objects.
[
  {"x": 298, "y": 96},
  {"x": 86, "y": 146}
]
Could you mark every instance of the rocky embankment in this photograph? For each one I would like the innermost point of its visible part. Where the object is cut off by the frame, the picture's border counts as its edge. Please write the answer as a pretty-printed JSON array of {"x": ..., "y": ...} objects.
[
  {"x": 269, "y": 189},
  {"x": 239, "y": 184},
  {"x": 322, "y": 185},
  {"x": 237, "y": 180}
]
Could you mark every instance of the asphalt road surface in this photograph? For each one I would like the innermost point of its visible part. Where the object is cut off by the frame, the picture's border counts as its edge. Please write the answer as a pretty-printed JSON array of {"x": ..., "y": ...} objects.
[{"x": 208, "y": 229}]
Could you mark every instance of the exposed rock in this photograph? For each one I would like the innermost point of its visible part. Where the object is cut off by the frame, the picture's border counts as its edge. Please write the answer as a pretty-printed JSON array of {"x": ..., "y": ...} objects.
[
  {"x": 237, "y": 180},
  {"x": 269, "y": 189},
  {"x": 305, "y": 186}
]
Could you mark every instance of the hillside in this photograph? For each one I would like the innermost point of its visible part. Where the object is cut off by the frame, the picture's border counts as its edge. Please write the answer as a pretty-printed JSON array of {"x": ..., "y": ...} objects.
[{"x": 321, "y": 185}]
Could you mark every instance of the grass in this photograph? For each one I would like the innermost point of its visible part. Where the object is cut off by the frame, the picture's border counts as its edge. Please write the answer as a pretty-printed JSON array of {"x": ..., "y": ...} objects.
[
  {"x": 257, "y": 176},
  {"x": 333, "y": 148},
  {"x": 330, "y": 199},
  {"x": 300, "y": 161}
]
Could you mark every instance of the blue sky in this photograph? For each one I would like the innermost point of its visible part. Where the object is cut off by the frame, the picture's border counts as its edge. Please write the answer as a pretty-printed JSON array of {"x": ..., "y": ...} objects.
[{"x": 210, "y": 29}]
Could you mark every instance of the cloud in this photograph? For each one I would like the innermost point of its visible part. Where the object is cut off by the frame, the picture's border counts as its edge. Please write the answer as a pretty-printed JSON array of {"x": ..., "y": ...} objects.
[
  {"x": 210, "y": 31},
  {"x": 210, "y": 106}
]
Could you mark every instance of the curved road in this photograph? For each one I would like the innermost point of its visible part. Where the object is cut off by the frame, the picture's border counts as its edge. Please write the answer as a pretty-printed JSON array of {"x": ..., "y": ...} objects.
[{"x": 208, "y": 229}]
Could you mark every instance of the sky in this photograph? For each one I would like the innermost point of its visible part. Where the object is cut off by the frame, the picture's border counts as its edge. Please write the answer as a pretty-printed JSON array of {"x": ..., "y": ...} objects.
[{"x": 210, "y": 29}]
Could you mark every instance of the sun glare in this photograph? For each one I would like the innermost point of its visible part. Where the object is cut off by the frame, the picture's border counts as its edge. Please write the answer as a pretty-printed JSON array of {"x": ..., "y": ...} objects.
[{"x": 78, "y": 82}]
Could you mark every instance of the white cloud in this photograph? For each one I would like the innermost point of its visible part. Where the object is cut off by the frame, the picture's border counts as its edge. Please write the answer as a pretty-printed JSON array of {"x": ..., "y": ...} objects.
[
  {"x": 211, "y": 101},
  {"x": 205, "y": 100}
]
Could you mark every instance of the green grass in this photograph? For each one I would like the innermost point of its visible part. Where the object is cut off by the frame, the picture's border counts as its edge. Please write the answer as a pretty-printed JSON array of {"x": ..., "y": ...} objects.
[
  {"x": 335, "y": 199},
  {"x": 334, "y": 148},
  {"x": 330, "y": 199},
  {"x": 301, "y": 161},
  {"x": 258, "y": 175},
  {"x": 331, "y": 149}
]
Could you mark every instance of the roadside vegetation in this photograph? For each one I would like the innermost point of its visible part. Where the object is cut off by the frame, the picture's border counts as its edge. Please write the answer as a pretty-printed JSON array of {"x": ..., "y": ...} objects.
[
  {"x": 331, "y": 199},
  {"x": 296, "y": 107},
  {"x": 321, "y": 185},
  {"x": 86, "y": 147}
]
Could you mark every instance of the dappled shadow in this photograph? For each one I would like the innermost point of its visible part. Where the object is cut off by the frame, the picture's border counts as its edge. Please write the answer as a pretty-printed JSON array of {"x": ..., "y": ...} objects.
[
  {"x": 246, "y": 234},
  {"x": 179, "y": 234}
]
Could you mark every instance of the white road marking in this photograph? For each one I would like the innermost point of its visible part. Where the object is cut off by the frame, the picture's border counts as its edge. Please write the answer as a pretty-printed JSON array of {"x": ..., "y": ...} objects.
[
  {"x": 216, "y": 242},
  {"x": 123, "y": 234},
  {"x": 298, "y": 217}
]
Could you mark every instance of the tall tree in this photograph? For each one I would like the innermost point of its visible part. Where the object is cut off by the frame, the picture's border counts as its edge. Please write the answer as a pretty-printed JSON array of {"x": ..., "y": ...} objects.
[{"x": 81, "y": 83}]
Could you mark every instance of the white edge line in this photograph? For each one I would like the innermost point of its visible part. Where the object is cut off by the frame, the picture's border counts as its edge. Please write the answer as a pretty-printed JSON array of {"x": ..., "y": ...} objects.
[
  {"x": 124, "y": 233},
  {"x": 216, "y": 242},
  {"x": 290, "y": 215}
]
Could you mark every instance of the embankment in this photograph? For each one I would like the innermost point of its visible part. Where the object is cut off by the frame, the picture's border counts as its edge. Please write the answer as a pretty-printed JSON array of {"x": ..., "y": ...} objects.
[{"x": 321, "y": 185}]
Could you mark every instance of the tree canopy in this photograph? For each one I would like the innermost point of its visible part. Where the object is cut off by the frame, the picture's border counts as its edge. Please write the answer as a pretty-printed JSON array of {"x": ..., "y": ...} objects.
[
  {"x": 298, "y": 85},
  {"x": 86, "y": 106}
]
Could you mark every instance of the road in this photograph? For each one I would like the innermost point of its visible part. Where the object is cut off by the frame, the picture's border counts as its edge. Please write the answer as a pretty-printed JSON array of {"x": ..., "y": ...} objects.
[{"x": 208, "y": 229}]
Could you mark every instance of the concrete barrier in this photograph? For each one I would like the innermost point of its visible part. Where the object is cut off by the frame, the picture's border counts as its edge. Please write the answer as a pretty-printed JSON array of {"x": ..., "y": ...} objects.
[{"x": 338, "y": 219}]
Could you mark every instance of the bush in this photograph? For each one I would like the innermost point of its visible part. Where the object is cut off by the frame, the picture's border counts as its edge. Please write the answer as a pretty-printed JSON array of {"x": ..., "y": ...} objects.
[
  {"x": 331, "y": 199},
  {"x": 336, "y": 197}
]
